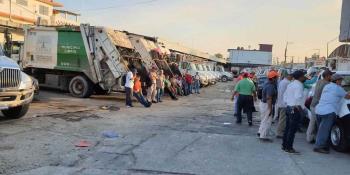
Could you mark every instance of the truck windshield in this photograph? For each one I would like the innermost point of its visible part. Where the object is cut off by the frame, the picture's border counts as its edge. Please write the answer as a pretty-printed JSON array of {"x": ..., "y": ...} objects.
[
  {"x": 199, "y": 67},
  {"x": 1, "y": 51},
  {"x": 346, "y": 82},
  {"x": 193, "y": 66},
  {"x": 204, "y": 68}
]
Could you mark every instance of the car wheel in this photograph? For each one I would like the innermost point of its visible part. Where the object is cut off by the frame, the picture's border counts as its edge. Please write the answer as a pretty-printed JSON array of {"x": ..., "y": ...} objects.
[
  {"x": 338, "y": 138},
  {"x": 81, "y": 87},
  {"x": 224, "y": 79},
  {"x": 16, "y": 112}
]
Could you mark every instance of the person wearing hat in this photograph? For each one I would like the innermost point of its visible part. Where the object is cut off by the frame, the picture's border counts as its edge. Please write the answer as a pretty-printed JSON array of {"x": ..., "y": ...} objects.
[
  {"x": 293, "y": 97},
  {"x": 269, "y": 97},
  {"x": 129, "y": 84},
  {"x": 281, "y": 105},
  {"x": 326, "y": 111},
  {"x": 311, "y": 129},
  {"x": 245, "y": 89}
]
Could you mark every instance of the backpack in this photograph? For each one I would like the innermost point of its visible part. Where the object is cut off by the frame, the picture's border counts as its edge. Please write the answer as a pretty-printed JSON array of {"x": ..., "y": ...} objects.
[{"x": 123, "y": 80}]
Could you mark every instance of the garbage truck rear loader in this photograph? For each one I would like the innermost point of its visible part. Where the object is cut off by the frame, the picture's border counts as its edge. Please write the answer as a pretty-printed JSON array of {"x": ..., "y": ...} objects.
[{"x": 82, "y": 60}]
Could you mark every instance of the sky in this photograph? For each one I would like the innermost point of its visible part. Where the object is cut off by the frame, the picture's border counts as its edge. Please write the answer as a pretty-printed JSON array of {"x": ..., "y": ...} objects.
[{"x": 214, "y": 26}]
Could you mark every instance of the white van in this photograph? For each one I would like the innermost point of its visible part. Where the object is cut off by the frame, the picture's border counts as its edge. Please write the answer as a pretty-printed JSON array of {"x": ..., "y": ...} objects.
[{"x": 192, "y": 69}]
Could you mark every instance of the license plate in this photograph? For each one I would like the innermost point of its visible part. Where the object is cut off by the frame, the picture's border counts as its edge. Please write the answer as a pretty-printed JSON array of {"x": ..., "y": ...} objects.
[{"x": 3, "y": 107}]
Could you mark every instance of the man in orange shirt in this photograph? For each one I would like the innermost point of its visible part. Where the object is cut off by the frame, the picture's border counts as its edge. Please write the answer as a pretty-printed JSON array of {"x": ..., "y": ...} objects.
[{"x": 138, "y": 92}]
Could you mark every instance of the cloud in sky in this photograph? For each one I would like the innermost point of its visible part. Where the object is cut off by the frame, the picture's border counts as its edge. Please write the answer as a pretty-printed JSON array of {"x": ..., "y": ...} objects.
[{"x": 216, "y": 25}]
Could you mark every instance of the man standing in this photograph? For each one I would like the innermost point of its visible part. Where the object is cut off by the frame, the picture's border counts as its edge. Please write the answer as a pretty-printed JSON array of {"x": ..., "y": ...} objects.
[
  {"x": 326, "y": 111},
  {"x": 196, "y": 83},
  {"x": 129, "y": 84},
  {"x": 246, "y": 96},
  {"x": 160, "y": 85},
  {"x": 281, "y": 105},
  {"x": 152, "y": 90},
  {"x": 293, "y": 97},
  {"x": 269, "y": 96},
  {"x": 189, "y": 82},
  {"x": 311, "y": 129}
]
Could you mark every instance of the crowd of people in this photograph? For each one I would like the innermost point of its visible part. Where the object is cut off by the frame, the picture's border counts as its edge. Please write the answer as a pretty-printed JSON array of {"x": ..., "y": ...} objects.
[
  {"x": 157, "y": 84},
  {"x": 283, "y": 99}
]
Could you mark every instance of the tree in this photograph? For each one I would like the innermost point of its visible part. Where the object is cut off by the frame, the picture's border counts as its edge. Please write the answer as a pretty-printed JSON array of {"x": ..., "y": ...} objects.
[{"x": 219, "y": 55}]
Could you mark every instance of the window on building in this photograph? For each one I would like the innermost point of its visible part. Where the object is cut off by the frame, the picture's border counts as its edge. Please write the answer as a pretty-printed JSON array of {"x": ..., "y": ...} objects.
[
  {"x": 22, "y": 2},
  {"x": 43, "y": 10},
  {"x": 72, "y": 17}
]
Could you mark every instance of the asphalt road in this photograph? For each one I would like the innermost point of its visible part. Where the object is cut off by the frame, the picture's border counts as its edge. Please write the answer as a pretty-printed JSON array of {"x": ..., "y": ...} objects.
[{"x": 195, "y": 135}]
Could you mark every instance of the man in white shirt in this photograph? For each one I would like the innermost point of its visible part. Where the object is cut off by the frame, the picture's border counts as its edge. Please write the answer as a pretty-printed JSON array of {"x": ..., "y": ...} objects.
[
  {"x": 293, "y": 97},
  {"x": 129, "y": 84},
  {"x": 281, "y": 105}
]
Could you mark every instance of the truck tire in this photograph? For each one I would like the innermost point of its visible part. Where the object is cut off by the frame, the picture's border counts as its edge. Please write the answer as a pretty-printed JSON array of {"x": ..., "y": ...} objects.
[
  {"x": 338, "y": 138},
  {"x": 16, "y": 112},
  {"x": 81, "y": 87},
  {"x": 224, "y": 78}
]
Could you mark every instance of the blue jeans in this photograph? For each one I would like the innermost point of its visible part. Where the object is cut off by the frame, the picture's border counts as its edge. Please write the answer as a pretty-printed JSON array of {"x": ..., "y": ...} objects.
[
  {"x": 325, "y": 123},
  {"x": 160, "y": 93},
  {"x": 141, "y": 99},
  {"x": 189, "y": 89},
  {"x": 293, "y": 116},
  {"x": 196, "y": 86}
]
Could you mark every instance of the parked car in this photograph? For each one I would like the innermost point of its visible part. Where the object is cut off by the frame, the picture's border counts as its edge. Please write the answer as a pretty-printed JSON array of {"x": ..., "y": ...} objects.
[{"x": 16, "y": 88}]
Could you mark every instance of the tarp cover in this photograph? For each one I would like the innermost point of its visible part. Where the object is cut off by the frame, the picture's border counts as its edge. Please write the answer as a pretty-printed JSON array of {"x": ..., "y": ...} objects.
[{"x": 345, "y": 22}]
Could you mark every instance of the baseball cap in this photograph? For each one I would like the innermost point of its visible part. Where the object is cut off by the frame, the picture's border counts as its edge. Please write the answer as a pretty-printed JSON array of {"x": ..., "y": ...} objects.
[
  {"x": 297, "y": 74},
  {"x": 272, "y": 74},
  {"x": 327, "y": 73},
  {"x": 336, "y": 77}
]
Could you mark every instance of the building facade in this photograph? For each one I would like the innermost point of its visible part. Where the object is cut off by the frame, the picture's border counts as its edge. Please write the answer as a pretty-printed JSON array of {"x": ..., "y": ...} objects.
[
  {"x": 251, "y": 58},
  {"x": 16, "y": 14}
]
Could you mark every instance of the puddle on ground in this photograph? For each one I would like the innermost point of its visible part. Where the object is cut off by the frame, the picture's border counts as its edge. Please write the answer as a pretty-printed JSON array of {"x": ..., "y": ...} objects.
[{"x": 73, "y": 116}]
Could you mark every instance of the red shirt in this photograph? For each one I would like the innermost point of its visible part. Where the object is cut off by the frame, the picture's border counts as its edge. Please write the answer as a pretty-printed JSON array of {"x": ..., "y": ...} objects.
[{"x": 188, "y": 78}]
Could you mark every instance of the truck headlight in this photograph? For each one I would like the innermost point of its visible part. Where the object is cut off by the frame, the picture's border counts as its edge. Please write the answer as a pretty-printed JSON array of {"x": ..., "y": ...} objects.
[{"x": 26, "y": 82}]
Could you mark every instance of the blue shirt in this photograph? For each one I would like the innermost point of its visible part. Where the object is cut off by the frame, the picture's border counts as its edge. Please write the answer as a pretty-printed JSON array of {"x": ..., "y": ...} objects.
[
  {"x": 269, "y": 90},
  {"x": 331, "y": 97}
]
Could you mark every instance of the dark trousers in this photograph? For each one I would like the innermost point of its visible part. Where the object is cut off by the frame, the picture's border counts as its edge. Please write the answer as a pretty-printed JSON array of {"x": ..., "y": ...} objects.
[
  {"x": 293, "y": 115},
  {"x": 128, "y": 100},
  {"x": 171, "y": 93},
  {"x": 189, "y": 90},
  {"x": 245, "y": 103},
  {"x": 141, "y": 99}
]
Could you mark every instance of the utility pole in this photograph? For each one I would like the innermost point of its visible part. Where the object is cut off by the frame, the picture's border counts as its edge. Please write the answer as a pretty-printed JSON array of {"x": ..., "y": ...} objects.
[
  {"x": 285, "y": 52},
  {"x": 10, "y": 10}
]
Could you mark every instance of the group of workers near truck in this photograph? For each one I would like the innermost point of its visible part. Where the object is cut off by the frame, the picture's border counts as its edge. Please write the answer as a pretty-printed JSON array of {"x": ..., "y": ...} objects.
[
  {"x": 157, "y": 84},
  {"x": 285, "y": 93}
]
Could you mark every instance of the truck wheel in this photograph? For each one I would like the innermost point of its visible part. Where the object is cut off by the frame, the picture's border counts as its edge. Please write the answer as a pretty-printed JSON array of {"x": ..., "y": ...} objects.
[
  {"x": 16, "y": 112},
  {"x": 224, "y": 79},
  {"x": 80, "y": 87},
  {"x": 338, "y": 138}
]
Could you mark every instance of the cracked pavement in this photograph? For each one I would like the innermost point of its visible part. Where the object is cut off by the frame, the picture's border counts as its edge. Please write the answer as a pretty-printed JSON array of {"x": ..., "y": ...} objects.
[{"x": 186, "y": 137}]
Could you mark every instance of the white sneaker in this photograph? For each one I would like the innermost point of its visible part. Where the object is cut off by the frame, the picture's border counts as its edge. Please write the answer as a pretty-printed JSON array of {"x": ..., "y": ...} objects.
[{"x": 128, "y": 106}]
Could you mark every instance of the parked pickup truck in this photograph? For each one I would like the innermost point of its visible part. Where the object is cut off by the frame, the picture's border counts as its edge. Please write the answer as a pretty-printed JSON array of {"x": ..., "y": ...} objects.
[{"x": 16, "y": 88}]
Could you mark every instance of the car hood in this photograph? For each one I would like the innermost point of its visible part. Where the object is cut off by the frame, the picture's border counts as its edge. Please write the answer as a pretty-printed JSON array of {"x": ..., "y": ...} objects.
[{"x": 8, "y": 63}]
